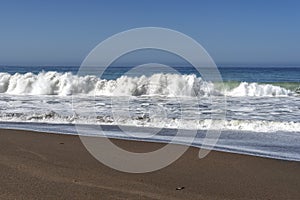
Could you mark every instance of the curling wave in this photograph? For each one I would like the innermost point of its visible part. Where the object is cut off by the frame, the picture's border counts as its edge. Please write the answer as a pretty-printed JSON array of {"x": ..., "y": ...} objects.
[{"x": 64, "y": 84}]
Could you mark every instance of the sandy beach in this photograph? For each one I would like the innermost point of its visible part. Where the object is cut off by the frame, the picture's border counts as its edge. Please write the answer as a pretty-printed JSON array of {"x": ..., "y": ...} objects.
[{"x": 52, "y": 166}]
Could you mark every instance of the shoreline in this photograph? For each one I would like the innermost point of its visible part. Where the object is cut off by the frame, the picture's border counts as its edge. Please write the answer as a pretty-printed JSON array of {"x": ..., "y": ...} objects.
[
  {"x": 195, "y": 145},
  {"x": 38, "y": 165}
]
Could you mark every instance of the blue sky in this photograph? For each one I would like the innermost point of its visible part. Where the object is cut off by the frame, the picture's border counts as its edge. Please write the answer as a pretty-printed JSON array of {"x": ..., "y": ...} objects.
[{"x": 63, "y": 32}]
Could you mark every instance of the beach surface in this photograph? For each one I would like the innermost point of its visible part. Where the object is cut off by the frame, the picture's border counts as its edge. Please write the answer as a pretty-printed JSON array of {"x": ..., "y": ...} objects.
[{"x": 52, "y": 166}]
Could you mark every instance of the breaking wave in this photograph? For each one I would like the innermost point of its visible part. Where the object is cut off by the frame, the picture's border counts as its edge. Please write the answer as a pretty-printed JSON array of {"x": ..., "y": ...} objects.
[{"x": 64, "y": 84}]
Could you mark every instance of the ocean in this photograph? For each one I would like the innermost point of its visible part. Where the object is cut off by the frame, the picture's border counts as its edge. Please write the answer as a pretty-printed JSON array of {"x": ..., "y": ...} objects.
[{"x": 262, "y": 105}]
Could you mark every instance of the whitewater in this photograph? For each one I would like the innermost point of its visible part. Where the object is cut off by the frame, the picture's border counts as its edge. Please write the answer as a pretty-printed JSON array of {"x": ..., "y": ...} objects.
[
  {"x": 170, "y": 85},
  {"x": 262, "y": 117}
]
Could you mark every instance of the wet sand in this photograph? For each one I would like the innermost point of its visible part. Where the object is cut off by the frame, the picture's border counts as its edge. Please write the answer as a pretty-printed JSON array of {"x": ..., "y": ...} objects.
[{"x": 53, "y": 166}]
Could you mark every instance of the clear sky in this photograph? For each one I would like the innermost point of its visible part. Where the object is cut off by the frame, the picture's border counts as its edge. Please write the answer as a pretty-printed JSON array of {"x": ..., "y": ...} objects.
[{"x": 63, "y": 32}]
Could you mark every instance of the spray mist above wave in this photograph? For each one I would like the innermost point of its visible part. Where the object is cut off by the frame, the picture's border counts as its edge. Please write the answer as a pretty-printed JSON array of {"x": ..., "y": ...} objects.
[{"x": 171, "y": 85}]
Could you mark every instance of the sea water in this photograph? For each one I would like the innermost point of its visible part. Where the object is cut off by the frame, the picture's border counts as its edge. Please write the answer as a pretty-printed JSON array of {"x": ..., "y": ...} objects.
[{"x": 262, "y": 104}]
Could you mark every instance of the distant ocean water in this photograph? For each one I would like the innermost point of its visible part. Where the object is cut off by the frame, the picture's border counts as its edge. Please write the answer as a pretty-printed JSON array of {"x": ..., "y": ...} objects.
[{"x": 262, "y": 118}]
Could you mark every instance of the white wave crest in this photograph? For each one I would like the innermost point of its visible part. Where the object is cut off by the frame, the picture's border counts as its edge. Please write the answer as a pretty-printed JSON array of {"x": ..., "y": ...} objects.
[
  {"x": 255, "y": 89},
  {"x": 63, "y": 84}
]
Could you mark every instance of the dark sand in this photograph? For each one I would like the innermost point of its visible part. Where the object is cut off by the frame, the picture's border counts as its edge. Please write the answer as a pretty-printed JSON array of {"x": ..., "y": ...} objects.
[{"x": 49, "y": 166}]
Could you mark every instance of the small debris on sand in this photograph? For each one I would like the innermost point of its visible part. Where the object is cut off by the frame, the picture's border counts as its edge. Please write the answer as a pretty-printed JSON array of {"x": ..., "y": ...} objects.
[{"x": 179, "y": 188}]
